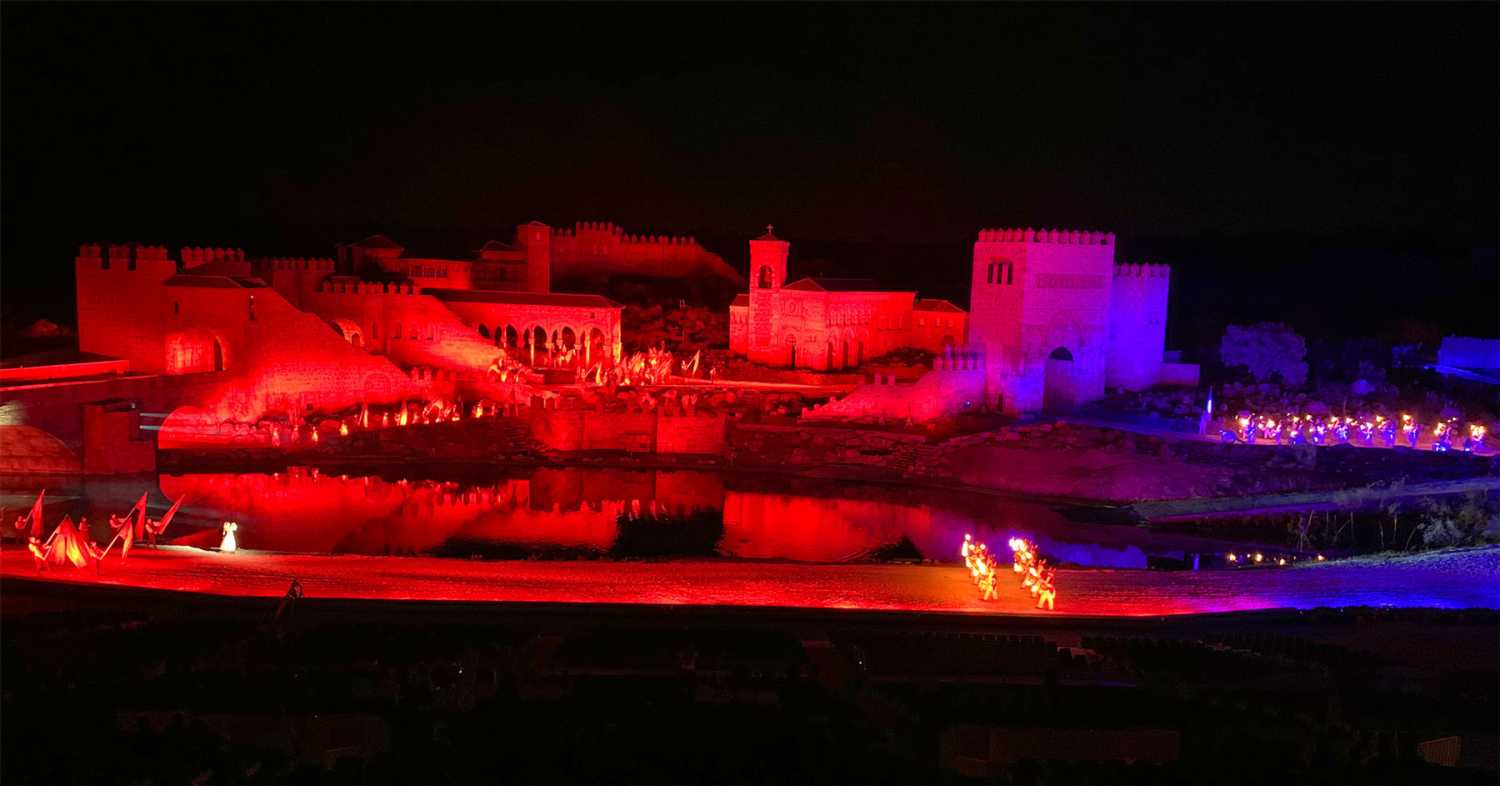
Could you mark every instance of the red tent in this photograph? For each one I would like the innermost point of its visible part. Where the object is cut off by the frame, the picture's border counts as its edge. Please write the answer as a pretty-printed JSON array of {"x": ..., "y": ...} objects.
[{"x": 68, "y": 547}]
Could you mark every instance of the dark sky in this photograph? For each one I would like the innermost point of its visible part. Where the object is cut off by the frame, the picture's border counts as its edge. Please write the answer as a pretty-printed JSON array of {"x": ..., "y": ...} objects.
[{"x": 271, "y": 126}]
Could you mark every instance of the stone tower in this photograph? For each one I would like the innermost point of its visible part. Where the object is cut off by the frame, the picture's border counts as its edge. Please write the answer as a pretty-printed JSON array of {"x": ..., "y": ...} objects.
[
  {"x": 1040, "y": 308},
  {"x": 767, "y": 275},
  {"x": 536, "y": 238}
]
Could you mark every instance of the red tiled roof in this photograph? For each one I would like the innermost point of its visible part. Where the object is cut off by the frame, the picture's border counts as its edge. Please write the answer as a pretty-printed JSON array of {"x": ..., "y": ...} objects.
[
  {"x": 523, "y": 298},
  {"x": 936, "y": 304},
  {"x": 836, "y": 285},
  {"x": 741, "y": 300}
]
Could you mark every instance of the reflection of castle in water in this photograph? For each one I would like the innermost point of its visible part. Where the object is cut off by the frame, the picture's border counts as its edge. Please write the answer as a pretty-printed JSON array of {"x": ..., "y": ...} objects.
[{"x": 571, "y": 509}]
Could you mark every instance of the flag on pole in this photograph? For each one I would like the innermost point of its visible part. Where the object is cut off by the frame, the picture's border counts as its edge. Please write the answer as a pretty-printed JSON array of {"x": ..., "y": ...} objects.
[
  {"x": 139, "y": 511},
  {"x": 161, "y": 526},
  {"x": 35, "y": 516}
]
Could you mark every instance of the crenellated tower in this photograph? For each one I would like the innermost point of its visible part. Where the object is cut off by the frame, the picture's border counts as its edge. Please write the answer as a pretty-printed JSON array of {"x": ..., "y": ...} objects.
[
  {"x": 1137, "y": 325},
  {"x": 1040, "y": 307}
]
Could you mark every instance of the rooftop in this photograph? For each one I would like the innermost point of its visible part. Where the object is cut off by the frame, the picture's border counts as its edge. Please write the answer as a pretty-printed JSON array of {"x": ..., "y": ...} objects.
[
  {"x": 936, "y": 304},
  {"x": 819, "y": 284},
  {"x": 523, "y": 298},
  {"x": 214, "y": 282}
]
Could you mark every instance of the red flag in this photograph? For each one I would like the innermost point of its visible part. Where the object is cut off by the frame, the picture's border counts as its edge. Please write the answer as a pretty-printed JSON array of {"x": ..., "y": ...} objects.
[
  {"x": 35, "y": 516},
  {"x": 139, "y": 511},
  {"x": 161, "y": 526}
]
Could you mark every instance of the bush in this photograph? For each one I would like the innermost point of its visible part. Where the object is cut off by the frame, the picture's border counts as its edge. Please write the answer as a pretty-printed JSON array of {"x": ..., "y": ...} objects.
[{"x": 1268, "y": 350}]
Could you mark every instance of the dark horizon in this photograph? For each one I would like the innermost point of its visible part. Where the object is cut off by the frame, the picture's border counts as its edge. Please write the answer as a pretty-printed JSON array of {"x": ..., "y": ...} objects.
[{"x": 1226, "y": 141}]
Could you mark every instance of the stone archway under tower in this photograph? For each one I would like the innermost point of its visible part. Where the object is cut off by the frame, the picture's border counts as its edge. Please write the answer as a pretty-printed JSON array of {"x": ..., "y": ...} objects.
[{"x": 1061, "y": 386}]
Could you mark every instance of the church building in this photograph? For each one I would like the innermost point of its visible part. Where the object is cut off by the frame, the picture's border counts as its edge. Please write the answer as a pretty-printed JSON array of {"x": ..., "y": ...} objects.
[{"x": 830, "y": 324}]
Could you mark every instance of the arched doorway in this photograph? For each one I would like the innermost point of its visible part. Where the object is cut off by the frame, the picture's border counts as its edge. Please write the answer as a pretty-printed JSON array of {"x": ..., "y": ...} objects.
[
  {"x": 538, "y": 336},
  {"x": 512, "y": 337},
  {"x": 791, "y": 351},
  {"x": 218, "y": 355},
  {"x": 1059, "y": 389},
  {"x": 828, "y": 359},
  {"x": 766, "y": 279},
  {"x": 484, "y": 331},
  {"x": 595, "y": 351}
]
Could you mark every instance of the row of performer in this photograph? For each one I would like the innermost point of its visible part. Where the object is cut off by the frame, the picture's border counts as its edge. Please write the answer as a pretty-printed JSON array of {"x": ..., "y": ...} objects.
[
  {"x": 1037, "y": 577},
  {"x": 72, "y": 545},
  {"x": 1309, "y": 430}
]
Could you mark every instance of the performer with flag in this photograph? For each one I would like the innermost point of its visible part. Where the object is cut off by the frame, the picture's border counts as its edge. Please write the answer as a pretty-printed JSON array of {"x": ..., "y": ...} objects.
[{"x": 155, "y": 527}]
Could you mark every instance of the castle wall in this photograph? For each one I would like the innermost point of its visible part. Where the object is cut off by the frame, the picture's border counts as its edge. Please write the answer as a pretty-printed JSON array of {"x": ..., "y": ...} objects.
[
  {"x": 953, "y": 386},
  {"x": 294, "y": 278},
  {"x": 411, "y": 328},
  {"x": 930, "y": 330},
  {"x": 1137, "y": 326},
  {"x": 122, "y": 304},
  {"x": 1037, "y": 292},
  {"x": 739, "y": 330},
  {"x": 281, "y": 356},
  {"x": 603, "y": 249}
]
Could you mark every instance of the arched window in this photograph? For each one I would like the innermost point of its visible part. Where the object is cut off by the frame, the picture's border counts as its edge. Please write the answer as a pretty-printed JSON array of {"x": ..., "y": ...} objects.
[{"x": 766, "y": 278}]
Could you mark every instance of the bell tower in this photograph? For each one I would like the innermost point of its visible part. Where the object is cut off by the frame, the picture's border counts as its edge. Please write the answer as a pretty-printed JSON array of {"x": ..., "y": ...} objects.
[{"x": 767, "y": 276}]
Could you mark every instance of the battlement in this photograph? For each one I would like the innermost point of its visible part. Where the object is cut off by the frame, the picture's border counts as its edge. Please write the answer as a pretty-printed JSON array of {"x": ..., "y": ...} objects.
[
  {"x": 1143, "y": 270},
  {"x": 297, "y": 263},
  {"x": 365, "y": 288},
  {"x": 607, "y": 228},
  {"x": 122, "y": 254},
  {"x": 953, "y": 360},
  {"x": 1072, "y": 237},
  {"x": 660, "y": 240},
  {"x": 192, "y": 256}
]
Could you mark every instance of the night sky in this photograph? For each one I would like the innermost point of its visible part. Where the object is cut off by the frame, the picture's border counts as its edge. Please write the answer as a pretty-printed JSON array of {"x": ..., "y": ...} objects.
[{"x": 1320, "y": 142}]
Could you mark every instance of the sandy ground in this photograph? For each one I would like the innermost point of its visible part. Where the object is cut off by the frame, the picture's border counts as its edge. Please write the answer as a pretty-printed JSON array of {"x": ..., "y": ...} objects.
[{"x": 1466, "y": 578}]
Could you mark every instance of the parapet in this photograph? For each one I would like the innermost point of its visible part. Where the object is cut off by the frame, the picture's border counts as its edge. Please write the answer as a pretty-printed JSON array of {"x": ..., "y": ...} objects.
[
  {"x": 193, "y": 256},
  {"x": 1074, "y": 237},
  {"x": 123, "y": 253},
  {"x": 318, "y": 265},
  {"x": 610, "y": 228},
  {"x": 366, "y": 288},
  {"x": 1143, "y": 270}
]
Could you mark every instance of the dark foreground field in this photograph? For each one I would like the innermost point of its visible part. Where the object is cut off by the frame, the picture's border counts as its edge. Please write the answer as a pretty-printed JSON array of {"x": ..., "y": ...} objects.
[{"x": 117, "y": 685}]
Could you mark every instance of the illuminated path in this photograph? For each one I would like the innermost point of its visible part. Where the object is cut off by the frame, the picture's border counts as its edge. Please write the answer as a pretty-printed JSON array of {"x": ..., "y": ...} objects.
[{"x": 1456, "y": 579}]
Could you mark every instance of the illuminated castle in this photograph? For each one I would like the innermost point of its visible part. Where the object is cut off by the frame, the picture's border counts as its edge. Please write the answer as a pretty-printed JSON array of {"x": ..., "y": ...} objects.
[
  {"x": 1058, "y": 320},
  {"x": 272, "y": 332},
  {"x": 826, "y": 324}
]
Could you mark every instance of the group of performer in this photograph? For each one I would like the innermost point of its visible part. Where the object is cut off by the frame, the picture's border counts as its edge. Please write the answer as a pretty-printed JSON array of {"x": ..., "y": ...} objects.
[
  {"x": 1037, "y": 577},
  {"x": 74, "y": 545},
  {"x": 1309, "y": 430}
]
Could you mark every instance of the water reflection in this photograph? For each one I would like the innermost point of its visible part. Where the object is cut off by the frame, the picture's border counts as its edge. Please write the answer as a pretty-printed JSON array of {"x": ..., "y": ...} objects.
[{"x": 623, "y": 513}]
